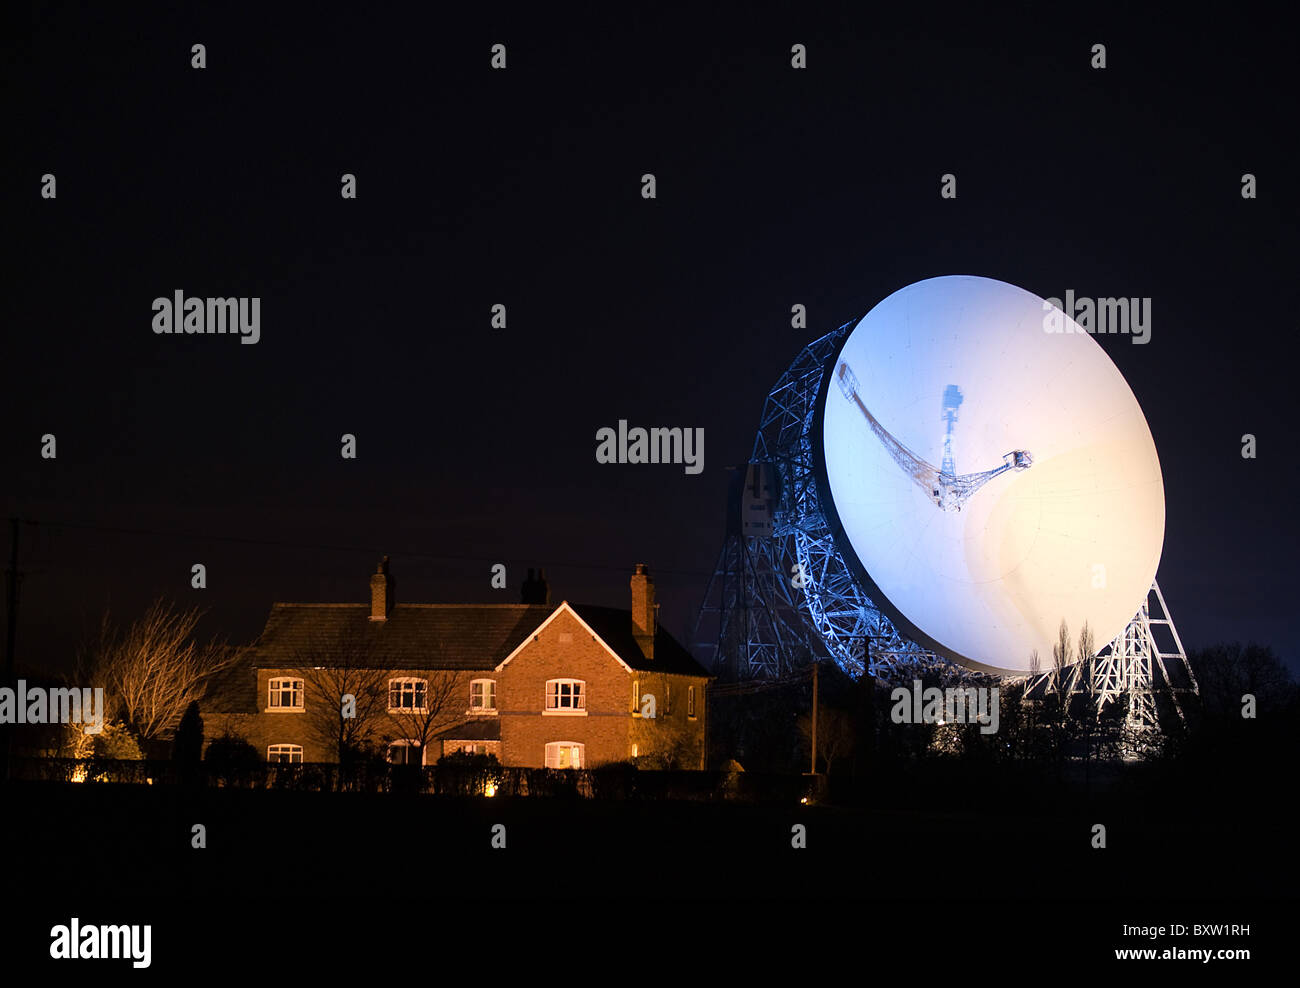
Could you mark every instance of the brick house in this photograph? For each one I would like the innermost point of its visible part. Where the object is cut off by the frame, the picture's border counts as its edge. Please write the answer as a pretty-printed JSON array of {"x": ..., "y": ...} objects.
[{"x": 534, "y": 684}]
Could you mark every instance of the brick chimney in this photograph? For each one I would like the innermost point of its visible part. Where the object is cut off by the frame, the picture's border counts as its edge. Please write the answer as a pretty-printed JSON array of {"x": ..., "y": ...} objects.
[
  {"x": 535, "y": 589},
  {"x": 644, "y": 610},
  {"x": 381, "y": 592}
]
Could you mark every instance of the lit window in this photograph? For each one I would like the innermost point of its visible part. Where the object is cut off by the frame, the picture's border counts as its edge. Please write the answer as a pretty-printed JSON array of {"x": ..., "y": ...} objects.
[
  {"x": 285, "y": 694},
  {"x": 636, "y": 695},
  {"x": 407, "y": 695},
  {"x": 483, "y": 695},
  {"x": 690, "y": 701},
  {"x": 564, "y": 754},
  {"x": 403, "y": 753},
  {"x": 668, "y": 698},
  {"x": 285, "y": 754},
  {"x": 634, "y": 750},
  {"x": 566, "y": 694}
]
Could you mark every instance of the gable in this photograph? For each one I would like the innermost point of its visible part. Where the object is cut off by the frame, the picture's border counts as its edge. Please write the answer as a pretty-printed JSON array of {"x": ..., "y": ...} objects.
[{"x": 564, "y": 609}]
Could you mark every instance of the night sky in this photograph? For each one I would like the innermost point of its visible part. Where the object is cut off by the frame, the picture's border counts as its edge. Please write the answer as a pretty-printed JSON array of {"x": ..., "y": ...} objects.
[{"x": 522, "y": 187}]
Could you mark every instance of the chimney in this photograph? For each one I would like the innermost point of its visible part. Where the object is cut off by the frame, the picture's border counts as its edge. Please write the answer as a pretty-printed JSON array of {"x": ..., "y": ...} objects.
[
  {"x": 644, "y": 610},
  {"x": 381, "y": 592},
  {"x": 535, "y": 589}
]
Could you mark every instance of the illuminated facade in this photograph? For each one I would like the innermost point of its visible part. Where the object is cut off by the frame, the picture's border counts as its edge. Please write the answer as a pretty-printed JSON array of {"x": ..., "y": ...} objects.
[{"x": 534, "y": 684}]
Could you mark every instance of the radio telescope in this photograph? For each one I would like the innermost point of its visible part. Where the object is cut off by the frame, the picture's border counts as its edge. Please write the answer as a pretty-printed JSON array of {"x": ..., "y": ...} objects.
[
  {"x": 1049, "y": 504},
  {"x": 949, "y": 481}
]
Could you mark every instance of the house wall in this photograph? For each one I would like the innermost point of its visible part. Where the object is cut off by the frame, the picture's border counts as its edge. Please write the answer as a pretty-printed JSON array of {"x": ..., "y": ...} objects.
[
  {"x": 564, "y": 649},
  {"x": 673, "y": 739}
]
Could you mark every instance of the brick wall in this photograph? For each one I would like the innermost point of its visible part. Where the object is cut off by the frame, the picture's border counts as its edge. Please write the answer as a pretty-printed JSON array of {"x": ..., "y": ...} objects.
[
  {"x": 673, "y": 739},
  {"x": 564, "y": 649}
]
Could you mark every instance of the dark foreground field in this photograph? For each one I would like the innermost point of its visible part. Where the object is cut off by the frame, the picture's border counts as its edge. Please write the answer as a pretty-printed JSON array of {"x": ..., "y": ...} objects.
[
  {"x": 355, "y": 864},
  {"x": 138, "y": 840}
]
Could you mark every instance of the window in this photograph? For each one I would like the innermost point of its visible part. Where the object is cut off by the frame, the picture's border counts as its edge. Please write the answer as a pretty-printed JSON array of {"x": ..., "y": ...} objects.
[
  {"x": 285, "y": 694},
  {"x": 566, "y": 696},
  {"x": 564, "y": 754},
  {"x": 285, "y": 754},
  {"x": 690, "y": 702},
  {"x": 636, "y": 696},
  {"x": 407, "y": 695},
  {"x": 634, "y": 749},
  {"x": 403, "y": 753},
  {"x": 668, "y": 698},
  {"x": 483, "y": 696},
  {"x": 470, "y": 748}
]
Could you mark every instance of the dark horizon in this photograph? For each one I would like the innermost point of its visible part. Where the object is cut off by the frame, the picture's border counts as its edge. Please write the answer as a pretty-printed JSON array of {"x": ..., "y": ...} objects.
[{"x": 476, "y": 445}]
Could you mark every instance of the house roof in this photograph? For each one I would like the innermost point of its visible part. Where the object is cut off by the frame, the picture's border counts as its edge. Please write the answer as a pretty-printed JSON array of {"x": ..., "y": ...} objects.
[
  {"x": 614, "y": 626},
  {"x": 466, "y": 637},
  {"x": 415, "y": 636},
  {"x": 475, "y": 729}
]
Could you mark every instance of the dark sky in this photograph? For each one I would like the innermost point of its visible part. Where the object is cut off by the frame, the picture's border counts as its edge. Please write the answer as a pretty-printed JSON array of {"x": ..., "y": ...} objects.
[{"x": 476, "y": 445}]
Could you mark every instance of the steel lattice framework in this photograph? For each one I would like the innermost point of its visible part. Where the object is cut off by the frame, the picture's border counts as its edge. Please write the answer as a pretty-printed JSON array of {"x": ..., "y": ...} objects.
[
  {"x": 1134, "y": 665},
  {"x": 782, "y": 595}
]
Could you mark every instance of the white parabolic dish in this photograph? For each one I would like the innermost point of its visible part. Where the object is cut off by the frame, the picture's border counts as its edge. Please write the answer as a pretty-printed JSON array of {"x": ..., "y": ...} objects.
[{"x": 1072, "y": 531}]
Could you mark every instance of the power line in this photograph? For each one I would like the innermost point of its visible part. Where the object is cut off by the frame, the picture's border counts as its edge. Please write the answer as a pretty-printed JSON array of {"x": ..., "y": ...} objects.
[{"x": 284, "y": 543}]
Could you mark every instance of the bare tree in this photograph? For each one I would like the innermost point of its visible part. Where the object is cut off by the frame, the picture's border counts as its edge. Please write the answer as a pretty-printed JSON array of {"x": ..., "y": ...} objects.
[
  {"x": 345, "y": 691},
  {"x": 835, "y": 733},
  {"x": 1035, "y": 664},
  {"x": 1228, "y": 671},
  {"x": 1087, "y": 647},
  {"x": 1088, "y": 707},
  {"x": 423, "y": 704},
  {"x": 1061, "y": 650},
  {"x": 154, "y": 669}
]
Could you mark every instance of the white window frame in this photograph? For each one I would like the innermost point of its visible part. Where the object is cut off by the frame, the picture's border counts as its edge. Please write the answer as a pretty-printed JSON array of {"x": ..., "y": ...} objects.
[
  {"x": 273, "y": 750},
  {"x": 406, "y": 743},
  {"x": 488, "y": 694},
  {"x": 552, "y": 706},
  {"x": 401, "y": 682},
  {"x": 275, "y": 690},
  {"x": 553, "y": 753}
]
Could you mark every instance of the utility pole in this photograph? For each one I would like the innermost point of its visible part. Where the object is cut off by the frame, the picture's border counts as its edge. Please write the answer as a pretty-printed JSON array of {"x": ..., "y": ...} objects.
[
  {"x": 11, "y": 622},
  {"x": 814, "y": 721}
]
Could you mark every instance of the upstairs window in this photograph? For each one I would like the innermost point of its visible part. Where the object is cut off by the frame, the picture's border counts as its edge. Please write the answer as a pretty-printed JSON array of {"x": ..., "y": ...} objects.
[
  {"x": 407, "y": 696},
  {"x": 566, "y": 695},
  {"x": 483, "y": 696},
  {"x": 285, "y": 694},
  {"x": 690, "y": 701}
]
